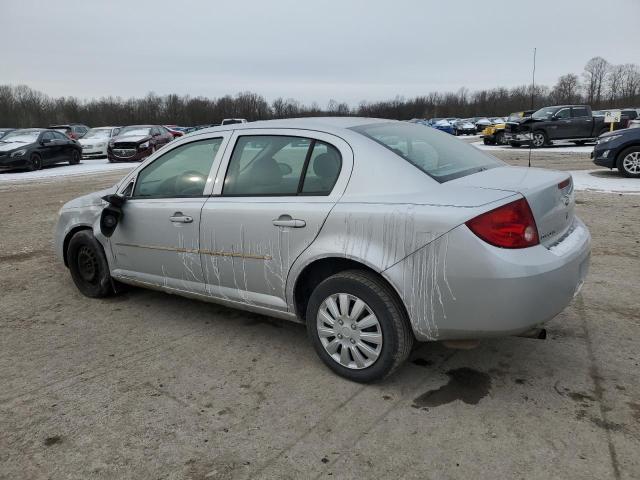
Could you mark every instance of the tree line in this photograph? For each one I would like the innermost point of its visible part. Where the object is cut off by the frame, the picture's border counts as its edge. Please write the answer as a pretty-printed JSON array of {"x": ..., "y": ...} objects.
[{"x": 601, "y": 85}]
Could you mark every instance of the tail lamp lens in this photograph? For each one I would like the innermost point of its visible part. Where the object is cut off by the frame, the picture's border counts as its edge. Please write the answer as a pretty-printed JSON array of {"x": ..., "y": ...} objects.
[{"x": 509, "y": 226}]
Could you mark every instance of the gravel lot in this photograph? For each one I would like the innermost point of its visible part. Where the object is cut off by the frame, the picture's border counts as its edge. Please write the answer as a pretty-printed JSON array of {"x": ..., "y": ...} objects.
[{"x": 149, "y": 385}]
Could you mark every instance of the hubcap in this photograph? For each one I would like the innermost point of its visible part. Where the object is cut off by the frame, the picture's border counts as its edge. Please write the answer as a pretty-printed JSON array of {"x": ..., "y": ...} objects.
[
  {"x": 349, "y": 331},
  {"x": 87, "y": 264},
  {"x": 538, "y": 139},
  {"x": 631, "y": 163}
]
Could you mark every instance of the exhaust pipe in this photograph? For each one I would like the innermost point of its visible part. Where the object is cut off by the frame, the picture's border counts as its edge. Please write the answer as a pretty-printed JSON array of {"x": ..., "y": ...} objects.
[{"x": 537, "y": 333}]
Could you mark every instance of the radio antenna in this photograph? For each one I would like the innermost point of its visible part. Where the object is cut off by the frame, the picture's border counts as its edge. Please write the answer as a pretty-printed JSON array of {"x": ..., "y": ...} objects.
[{"x": 533, "y": 89}]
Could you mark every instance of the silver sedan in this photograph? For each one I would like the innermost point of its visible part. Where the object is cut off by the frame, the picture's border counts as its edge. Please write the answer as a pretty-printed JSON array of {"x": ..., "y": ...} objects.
[{"x": 374, "y": 233}]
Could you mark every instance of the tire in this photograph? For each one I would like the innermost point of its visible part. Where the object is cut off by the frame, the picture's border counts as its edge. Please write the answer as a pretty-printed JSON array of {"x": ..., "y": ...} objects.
[
  {"x": 75, "y": 158},
  {"x": 88, "y": 265},
  {"x": 500, "y": 139},
  {"x": 486, "y": 141},
  {"x": 392, "y": 327},
  {"x": 629, "y": 162},
  {"x": 539, "y": 139},
  {"x": 35, "y": 162}
]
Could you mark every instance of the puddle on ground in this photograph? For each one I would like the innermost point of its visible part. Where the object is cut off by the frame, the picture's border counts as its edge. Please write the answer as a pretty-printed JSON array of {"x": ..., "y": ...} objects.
[{"x": 465, "y": 384}]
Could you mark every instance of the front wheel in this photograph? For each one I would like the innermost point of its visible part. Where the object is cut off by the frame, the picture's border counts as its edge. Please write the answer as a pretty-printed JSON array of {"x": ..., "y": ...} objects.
[
  {"x": 75, "y": 158},
  {"x": 539, "y": 139},
  {"x": 358, "y": 326},
  {"x": 35, "y": 162},
  {"x": 88, "y": 265},
  {"x": 500, "y": 138},
  {"x": 629, "y": 162}
]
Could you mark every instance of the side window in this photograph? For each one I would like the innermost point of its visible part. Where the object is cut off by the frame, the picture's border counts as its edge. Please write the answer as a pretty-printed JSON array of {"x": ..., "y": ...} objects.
[
  {"x": 564, "y": 113},
  {"x": 181, "y": 172},
  {"x": 48, "y": 136},
  {"x": 580, "y": 112},
  {"x": 266, "y": 165},
  {"x": 155, "y": 131},
  {"x": 323, "y": 169},
  {"x": 59, "y": 136}
]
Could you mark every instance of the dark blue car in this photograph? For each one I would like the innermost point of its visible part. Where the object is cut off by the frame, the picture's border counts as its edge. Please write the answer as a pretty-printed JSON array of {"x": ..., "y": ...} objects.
[
  {"x": 441, "y": 124},
  {"x": 619, "y": 149}
]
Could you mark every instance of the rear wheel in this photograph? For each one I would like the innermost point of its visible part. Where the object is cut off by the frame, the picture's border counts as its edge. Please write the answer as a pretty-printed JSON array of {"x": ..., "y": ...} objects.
[
  {"x": 88, "y": 265},
  {"x": 358, "y": 327},
  {"x": 629, "y": 162},
  {"x": 500, "y": 139},
  {"x": 35, "y": 162},
  {"x": 75, "y": 158}
]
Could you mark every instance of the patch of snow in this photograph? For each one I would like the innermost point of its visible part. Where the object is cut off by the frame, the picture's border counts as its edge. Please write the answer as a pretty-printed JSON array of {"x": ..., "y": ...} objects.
[
  {"x": 605, "y": 181},
  {"x": 86, "y": 167},
  {"x": 556, "y": 148},
  {"x": 570, "y": 242}
]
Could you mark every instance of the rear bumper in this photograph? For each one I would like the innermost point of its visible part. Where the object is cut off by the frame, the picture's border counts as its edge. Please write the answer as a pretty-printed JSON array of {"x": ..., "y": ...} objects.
[
  {"x": 88, "y": 153},
  {"x": 459, "y": 287}
]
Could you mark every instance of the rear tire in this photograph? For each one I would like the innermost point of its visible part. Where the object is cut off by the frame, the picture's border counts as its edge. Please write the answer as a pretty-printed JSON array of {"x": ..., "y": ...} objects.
[
  {"x": 500, "y": 139},
  {"x": 629, "y": 162},
  {"x": 88, "y": 265},
  {"x": 393, "y": 335}
]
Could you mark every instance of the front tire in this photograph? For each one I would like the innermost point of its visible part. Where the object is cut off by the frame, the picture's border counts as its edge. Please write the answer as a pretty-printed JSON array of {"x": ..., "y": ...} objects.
[
  {"x": 88, "y": 265},
  {"x": 358, "y": 327},
  {"x": 500, "y": 139},
  {"x": 35, "y": 162},
  {"x": 629, "y": 162},
  {"x": 539, "y": 139},
  {"x": 75, "y": 158}
]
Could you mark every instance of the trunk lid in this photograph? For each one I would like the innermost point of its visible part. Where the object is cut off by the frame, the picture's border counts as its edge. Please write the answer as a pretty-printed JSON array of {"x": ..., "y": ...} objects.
[{"x": 550, "y": 195}]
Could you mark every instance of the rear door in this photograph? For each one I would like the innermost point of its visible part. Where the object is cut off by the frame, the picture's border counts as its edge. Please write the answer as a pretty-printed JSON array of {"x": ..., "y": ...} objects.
[
  {"x": 65, "y": 147},
  {"x": 582, "y": 122},
  {"x": 273, "y": 193},
  {"x": 157, "y": 240}
]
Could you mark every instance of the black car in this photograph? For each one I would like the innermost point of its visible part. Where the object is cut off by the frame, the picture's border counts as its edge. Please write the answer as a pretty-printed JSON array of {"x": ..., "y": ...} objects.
[
  {"x": 619, "y": 149},
  {"x": 4, "y": 131},
  {"x": 33, "y": 148}
]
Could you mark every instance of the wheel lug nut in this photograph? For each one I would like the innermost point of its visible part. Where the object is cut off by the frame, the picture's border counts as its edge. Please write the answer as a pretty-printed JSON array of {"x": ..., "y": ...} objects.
[
  {"x": 340, "y": 336},
  {"x": 352, "y": 341},
  {"x": 353, "y": 326},
  {"x": 340, "y": 322}
]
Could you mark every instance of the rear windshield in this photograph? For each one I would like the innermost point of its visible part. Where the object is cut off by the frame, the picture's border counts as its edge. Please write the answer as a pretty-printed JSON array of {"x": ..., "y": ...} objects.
[{"x": 437, "y": 154}]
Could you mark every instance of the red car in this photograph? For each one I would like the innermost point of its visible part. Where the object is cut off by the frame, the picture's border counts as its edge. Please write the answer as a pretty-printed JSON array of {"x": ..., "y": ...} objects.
[
  {"x": 137, "y": 142},
  {"x": 173, "y": 131}
]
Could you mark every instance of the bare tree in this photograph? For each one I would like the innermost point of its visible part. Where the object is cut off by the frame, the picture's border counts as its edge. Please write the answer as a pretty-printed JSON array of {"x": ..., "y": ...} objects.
[
  {"x": 567, "y": 90},
  {"x": 595, "y": 73}
]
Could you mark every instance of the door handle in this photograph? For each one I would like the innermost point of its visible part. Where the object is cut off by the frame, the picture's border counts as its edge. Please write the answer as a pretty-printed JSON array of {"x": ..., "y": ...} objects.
[
  {"x": 287, "y": 221},
  {"x": 178, "y": 217}
]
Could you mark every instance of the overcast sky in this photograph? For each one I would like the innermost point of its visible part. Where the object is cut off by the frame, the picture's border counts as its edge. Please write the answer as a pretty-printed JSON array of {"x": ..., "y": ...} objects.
[{"x": 309, "y": 50}]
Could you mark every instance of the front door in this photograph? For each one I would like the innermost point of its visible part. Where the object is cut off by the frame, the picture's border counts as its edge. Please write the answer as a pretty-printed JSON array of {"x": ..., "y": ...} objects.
[
  {"x": 157, "y": 239},
  {"x": 273, "y": 193},
  {"x": 50, "y": 148},
  {"x": 562, "y": 126}
]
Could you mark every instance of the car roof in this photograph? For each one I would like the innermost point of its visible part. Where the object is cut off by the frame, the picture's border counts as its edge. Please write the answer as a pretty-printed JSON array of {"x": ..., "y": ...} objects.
[{"x": 327, "y": 124}]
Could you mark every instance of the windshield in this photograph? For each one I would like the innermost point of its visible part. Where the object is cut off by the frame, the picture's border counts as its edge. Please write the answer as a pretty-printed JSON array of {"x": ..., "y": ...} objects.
[
  {"x": 21, "y": 136},
  {"x": 544, "y": 114},
  {"x": 439, "y": 155},
  {"x": 98, "y": 133},
  {"x": 134, "y": 131}
]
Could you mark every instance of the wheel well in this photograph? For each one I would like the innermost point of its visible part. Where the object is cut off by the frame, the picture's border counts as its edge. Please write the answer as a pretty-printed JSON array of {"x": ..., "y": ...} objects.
[
  {"x": 623, "y": 150},
  {"x": 67, "y": 239},
  {"x": 316, "y": 272}
]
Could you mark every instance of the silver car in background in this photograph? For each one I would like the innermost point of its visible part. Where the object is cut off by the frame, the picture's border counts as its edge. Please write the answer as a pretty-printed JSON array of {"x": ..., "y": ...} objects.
[
  {"x": 95, "y": 142},
  {"x": 374, "y": 233}
]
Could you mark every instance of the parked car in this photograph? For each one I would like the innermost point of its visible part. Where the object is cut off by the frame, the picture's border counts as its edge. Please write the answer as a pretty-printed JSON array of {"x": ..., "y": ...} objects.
[
  {"x": 561, "y": 122},
  {"x": 232, "y": 121},
  {"x": 374, "y": 233},
  {"x": 33, "y": 148},
  {"x": 95, "y": 142},
  {"x": 443, "y": 126},
  {"x": 74, "y": 130},
  {"x": 137, "y": 142},
  {"x": 482, "y": 123},
  {"x": 464, "y": 127},
  {"x": 495, "y": 134},
  {"x": 619, "y": 149},
  {"x": 174, "y": 130},
  {"x": 4, "y": 131}
]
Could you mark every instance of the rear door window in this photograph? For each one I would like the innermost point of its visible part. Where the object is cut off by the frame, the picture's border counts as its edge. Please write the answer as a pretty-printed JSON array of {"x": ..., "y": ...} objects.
[{"x": 580, "y": 112}]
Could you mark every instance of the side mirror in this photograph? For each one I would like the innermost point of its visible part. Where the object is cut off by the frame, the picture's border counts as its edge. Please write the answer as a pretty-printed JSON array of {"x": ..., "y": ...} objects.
[{"x": 111, "y": 214}]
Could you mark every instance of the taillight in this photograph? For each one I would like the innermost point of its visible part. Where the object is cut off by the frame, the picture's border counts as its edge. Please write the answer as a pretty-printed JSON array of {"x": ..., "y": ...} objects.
[{"x": 509, "y": 226}]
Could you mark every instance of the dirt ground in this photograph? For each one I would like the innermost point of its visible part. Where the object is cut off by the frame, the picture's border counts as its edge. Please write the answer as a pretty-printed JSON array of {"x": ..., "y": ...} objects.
[{"x": 148, "y": 385}]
